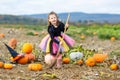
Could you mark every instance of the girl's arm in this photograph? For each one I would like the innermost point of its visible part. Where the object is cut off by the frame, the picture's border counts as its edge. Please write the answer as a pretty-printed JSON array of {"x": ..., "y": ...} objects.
[{"x": 62, "y": 26}]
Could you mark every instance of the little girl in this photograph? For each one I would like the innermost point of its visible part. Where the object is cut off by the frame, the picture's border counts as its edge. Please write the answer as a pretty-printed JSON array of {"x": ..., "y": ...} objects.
[{"x": 54, "y": 40}]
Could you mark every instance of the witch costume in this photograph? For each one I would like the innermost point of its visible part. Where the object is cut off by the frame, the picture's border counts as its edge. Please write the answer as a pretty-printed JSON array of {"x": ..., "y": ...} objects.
[{"x": 50, "y": 42}]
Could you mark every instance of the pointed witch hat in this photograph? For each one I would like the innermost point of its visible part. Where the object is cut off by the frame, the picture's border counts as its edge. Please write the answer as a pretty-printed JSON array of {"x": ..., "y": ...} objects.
[{"x": 12, "y": 52}]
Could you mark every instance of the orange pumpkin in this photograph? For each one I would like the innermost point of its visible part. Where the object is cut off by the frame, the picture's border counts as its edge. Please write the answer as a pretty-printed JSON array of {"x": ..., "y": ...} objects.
[
  {"x": 113, "y": 66},
  {"x": 13, "y": 43},
  {"x": 36, "y": 33},
  {"x": 112, "y": 38},
  {"x": 66, "y": 60},
  {"x": 1, "y": 64},
  {"x": 2, "y": 35},
  {"x": 94, "y": 33},
  {"x": 99, "y": 57},
  {"x": 39, "y": 66},
  {"x": 30, "y": 56},
  {"x": 35, "y": 67},
  {"x": 23, "y": 60},
  {"x": 43, "y": 32},
  {"x": 8, "y": 66},
  {"x": 82, "y": 37},
  {"x": 27, "y": 48},
  {"x": 90, "y": 62},
  {"x": 79, "y": 62}
]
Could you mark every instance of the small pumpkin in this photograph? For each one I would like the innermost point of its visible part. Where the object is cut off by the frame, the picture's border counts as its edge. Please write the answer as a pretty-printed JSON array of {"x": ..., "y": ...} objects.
[
  {"x": 8, "y": 66},
  {"x": 35, "y": 67},
  {"x": 13, "y": 43},
  {"x": 1, "y": 64},
  {"x": 30, "y": 56},
  {"x": 82, "y": 36},
  {"x": 23, "y": 60},
  {"x": 113, "y": 66},
  {"x": 90, "y": 62},
  {"x": 27, "y": 48},
  {"x": 2, "y": 35},
  {"x": 66, "y": 60},
  {"x": 100, "y": 57},
  {"x": 94, "y": 33},
  {"x": 43, "y": 32},
  {"x": 112, "y": 38},
  {"x": 79, "y": 62},
  {"x": 36, "y": 33}
]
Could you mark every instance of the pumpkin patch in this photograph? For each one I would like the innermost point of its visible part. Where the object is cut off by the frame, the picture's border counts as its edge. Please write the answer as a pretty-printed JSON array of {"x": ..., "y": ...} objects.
[{"x": 77, "y": 68}]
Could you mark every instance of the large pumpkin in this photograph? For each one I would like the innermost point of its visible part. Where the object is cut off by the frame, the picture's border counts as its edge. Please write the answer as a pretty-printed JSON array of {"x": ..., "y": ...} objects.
[
  {"x": 48, "y": 59},
  {"x": 76, "y": 56},
  {"x": 23, "y": 60},
  {"x": 90, "y": 62},
  {"x": 27, "y": 48},
  {"x": 99, "y": 57}
]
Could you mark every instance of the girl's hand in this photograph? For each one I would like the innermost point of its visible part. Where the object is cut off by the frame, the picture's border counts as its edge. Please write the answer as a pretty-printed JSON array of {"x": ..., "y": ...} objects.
[
  {"x": 60, "y": 43},
  {"x": 66, "y": 25}
]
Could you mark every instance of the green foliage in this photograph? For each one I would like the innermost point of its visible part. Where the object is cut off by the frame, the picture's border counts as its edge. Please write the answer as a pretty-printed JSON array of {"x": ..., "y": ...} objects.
[
  {"x": 30, "y": 33},
  {"x": 104, "y": 31},
  {"x": 86, "y": 52}
]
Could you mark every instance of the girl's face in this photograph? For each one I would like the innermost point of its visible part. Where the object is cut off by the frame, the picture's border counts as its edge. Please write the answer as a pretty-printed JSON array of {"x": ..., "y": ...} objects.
[{"x": 53, "y": 19}]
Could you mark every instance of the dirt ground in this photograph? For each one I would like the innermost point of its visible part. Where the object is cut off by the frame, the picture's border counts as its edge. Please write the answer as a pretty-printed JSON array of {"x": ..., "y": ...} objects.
[{"x": 68, "y": 71}]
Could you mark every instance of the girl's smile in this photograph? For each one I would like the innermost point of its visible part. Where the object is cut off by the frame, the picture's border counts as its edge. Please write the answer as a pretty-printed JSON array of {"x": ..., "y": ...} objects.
[{"x": 53, "y": 19}]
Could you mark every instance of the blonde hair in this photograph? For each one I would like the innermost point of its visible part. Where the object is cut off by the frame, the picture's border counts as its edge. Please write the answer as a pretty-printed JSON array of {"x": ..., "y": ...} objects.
[{"x": 51, "y": 13}]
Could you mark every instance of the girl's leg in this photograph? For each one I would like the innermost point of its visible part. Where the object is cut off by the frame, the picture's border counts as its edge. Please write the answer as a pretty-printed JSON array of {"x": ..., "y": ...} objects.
[{"x": 59, "y": 61}]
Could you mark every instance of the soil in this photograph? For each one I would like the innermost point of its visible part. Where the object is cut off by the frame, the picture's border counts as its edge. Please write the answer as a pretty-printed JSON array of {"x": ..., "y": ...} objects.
[{"x": 68, "y": 71}]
